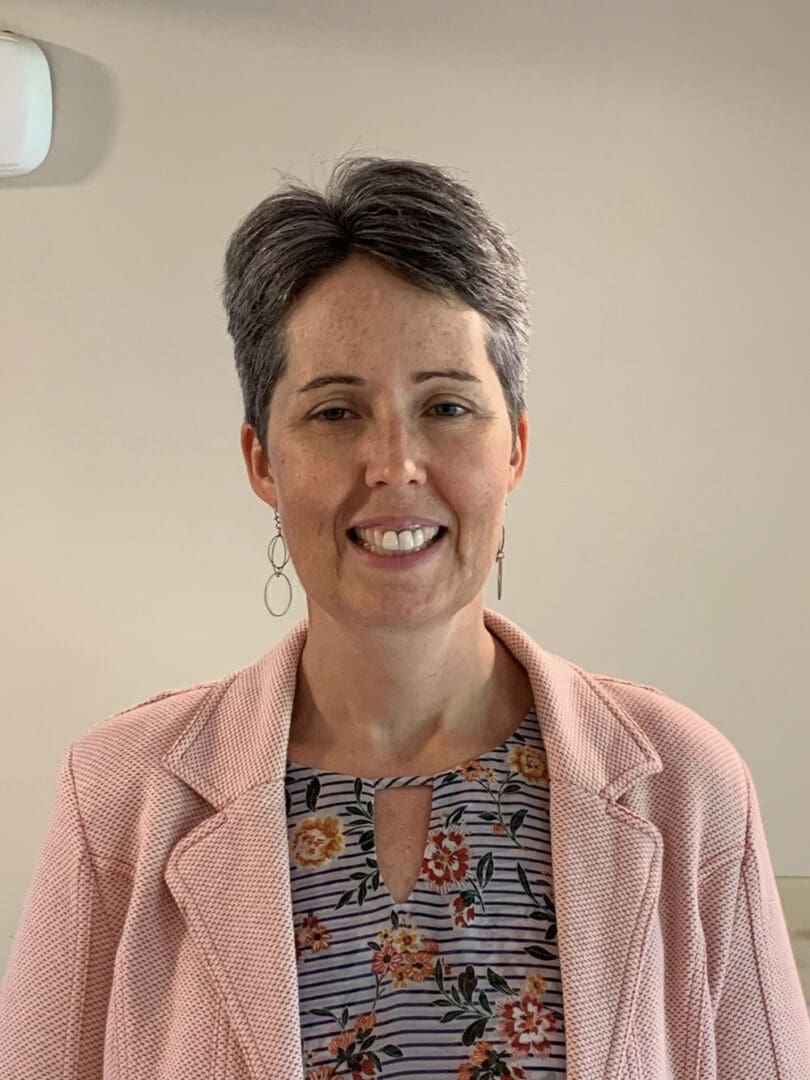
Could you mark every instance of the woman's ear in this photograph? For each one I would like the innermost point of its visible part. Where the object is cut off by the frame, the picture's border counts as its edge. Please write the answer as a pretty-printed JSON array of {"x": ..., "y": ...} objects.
[
  {"x": 517, "y": 462},
  {"x": 258, "y": 467}
]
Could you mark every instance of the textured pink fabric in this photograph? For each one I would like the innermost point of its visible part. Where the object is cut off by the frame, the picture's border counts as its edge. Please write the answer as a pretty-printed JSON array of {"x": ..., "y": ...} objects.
[{"x": 157, "y": 940}]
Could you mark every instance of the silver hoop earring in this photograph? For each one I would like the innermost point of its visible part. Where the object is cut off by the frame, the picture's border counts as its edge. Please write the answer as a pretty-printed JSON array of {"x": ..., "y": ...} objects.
[
  {"x": 499, "y": 560},
  {"x": 278, "y": 568}
]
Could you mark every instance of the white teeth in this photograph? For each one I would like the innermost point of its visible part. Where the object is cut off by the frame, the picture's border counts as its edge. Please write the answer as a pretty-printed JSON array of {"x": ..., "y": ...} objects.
[{"x": 391, "y": 542}]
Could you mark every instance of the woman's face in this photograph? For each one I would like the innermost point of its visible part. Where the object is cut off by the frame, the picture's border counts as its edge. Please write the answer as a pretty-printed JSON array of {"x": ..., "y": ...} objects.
[{"x": 394, "y": 445}]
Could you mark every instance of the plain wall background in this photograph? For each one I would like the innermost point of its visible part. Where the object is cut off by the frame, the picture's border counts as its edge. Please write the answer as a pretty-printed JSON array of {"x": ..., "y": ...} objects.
[{"x": 651, "y": 162}]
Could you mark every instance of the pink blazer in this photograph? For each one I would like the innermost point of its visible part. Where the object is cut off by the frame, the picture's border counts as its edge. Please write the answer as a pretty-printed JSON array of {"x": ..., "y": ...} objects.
[{"x": 156, "y": 941}]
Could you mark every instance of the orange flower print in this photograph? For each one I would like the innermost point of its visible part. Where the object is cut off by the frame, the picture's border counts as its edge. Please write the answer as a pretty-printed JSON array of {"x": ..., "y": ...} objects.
[
  {"x": 479, "y": 1055},
  {"x": 499, "y": 829},
  {"x": 399, "y": 977},
  {"x": 313, "y": 934},
  {"x": 462, "y": 914},
  {"x": 365, "y": 1022},
  {"x": 447, "y": 859},
  {"x": 524, "y": 1023},
  {"x": 470, "y": 770},
  {"x": 535, "y": 984},
  {"x": 406, "y": 939},
  {"x": 386, "y": 960},
  {"x": 483, "y": 1054},
  {"x": 530, "y": 763},
  {"x": 341, "y": 1041},
  {"x": 317, "y": 840},
  {"x": 322, "y": 1072},
  {"x": 418, "y": 966}
]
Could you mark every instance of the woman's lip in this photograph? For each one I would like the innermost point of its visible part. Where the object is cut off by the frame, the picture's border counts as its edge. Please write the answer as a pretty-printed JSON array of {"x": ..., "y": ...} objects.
[{"x": 395, "y": 524}]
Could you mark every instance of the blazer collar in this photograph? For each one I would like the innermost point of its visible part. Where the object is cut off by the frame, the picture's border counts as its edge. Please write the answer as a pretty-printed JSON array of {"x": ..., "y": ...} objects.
[{"x": 229, "y": 874}]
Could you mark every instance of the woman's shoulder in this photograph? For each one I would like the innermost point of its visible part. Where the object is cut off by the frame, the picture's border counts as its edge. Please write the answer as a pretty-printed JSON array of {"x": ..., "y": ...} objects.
[{"x": 705, "y": 782}]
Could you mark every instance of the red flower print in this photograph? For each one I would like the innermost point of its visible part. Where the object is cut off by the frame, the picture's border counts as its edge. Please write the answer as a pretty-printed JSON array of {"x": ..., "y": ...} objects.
[
  {"x": 463, "y": 915},
  {"x": 447, "y": 859},
  {"x": 366, "y": 1069},
  {"x": 524, "y": 1023}
]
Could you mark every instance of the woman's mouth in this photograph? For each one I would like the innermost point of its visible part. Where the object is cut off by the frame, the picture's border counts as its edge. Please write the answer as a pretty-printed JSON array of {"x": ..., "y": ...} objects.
[{"x": 404, "y": 546}]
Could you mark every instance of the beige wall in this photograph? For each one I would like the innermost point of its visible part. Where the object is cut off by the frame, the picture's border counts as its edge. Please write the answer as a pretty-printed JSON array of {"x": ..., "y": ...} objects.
[{"x": 651, "y": 161}]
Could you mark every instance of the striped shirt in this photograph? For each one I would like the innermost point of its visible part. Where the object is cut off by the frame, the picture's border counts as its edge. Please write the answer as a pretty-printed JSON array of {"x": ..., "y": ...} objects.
[{"x": 461, "y": 980}]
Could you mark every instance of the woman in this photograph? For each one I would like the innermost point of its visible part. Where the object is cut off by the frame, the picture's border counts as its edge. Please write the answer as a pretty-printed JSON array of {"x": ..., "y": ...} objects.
[{"x": 408, "y": 841}]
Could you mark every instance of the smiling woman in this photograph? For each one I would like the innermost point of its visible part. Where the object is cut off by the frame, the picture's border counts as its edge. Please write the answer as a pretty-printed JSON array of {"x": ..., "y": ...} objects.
[{"x": 407, "y": 841}]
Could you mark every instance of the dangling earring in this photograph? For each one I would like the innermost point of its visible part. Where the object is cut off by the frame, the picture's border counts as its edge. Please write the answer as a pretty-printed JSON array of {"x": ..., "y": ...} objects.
[
  {"x": 278, "y": 568},
  {"x": 499, "y": 560}
]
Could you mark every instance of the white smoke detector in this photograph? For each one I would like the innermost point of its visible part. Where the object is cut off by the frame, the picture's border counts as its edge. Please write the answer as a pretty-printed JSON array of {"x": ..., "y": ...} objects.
[{"x": 26, "y": 105}]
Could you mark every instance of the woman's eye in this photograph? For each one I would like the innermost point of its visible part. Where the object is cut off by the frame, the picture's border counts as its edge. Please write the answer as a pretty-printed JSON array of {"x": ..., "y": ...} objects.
[
  {"x": 343, "y": 409},
  {"x": 453, "y": 405},
  {"x": 330, "y": 409}
]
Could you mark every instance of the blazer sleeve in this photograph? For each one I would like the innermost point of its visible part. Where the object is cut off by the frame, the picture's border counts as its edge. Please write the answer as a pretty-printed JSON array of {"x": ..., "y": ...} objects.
[
  {"x": 55, "y": 991},
  {"x": 761, "y": 1020}
]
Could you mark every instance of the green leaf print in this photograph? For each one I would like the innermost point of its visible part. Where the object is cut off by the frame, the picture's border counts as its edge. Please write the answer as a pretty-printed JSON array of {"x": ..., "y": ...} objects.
[
  {"x": 524, "y": 881},
  {"x": 358, "y": 790},
  {"x": 392, "y": 1051},
  {"x": 467, "y": 982},
  {"x": 313, "y": 791},
  {"x": 483, "y": 870},
  {"x": 517, "y": 820},
  {"x": 454, "y": 1014},
  {"x": 474, "y": 1031},
  {"x": 539, "y": 953},
  {"x": 497, "y": 982}
]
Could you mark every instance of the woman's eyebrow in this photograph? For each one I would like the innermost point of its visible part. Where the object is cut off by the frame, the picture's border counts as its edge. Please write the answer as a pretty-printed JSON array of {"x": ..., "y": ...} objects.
[{"x": 418, "y": 377}]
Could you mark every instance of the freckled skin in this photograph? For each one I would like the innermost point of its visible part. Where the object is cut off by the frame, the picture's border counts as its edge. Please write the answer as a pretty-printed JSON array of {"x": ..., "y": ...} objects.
[{"x": 390, "y": 449}]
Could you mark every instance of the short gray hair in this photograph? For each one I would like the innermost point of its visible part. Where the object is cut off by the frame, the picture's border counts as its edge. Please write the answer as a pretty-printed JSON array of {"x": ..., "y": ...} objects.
[{"x": 420, "y": 223}]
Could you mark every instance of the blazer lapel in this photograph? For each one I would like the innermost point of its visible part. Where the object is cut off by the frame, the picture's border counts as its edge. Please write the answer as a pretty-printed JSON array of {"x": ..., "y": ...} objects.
[{"x": 230, "y": 875}]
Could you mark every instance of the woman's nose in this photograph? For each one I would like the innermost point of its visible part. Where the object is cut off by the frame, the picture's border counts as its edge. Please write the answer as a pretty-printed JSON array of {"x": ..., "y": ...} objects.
[{"x": 393, "y": 454}]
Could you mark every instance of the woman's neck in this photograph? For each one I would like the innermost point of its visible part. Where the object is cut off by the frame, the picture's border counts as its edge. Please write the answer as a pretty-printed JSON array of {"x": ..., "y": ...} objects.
[{"x": 388, "y": 701}]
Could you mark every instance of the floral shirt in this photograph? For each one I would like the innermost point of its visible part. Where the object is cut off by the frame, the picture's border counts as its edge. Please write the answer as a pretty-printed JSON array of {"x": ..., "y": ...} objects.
[{"x": 460, "y": 981}]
